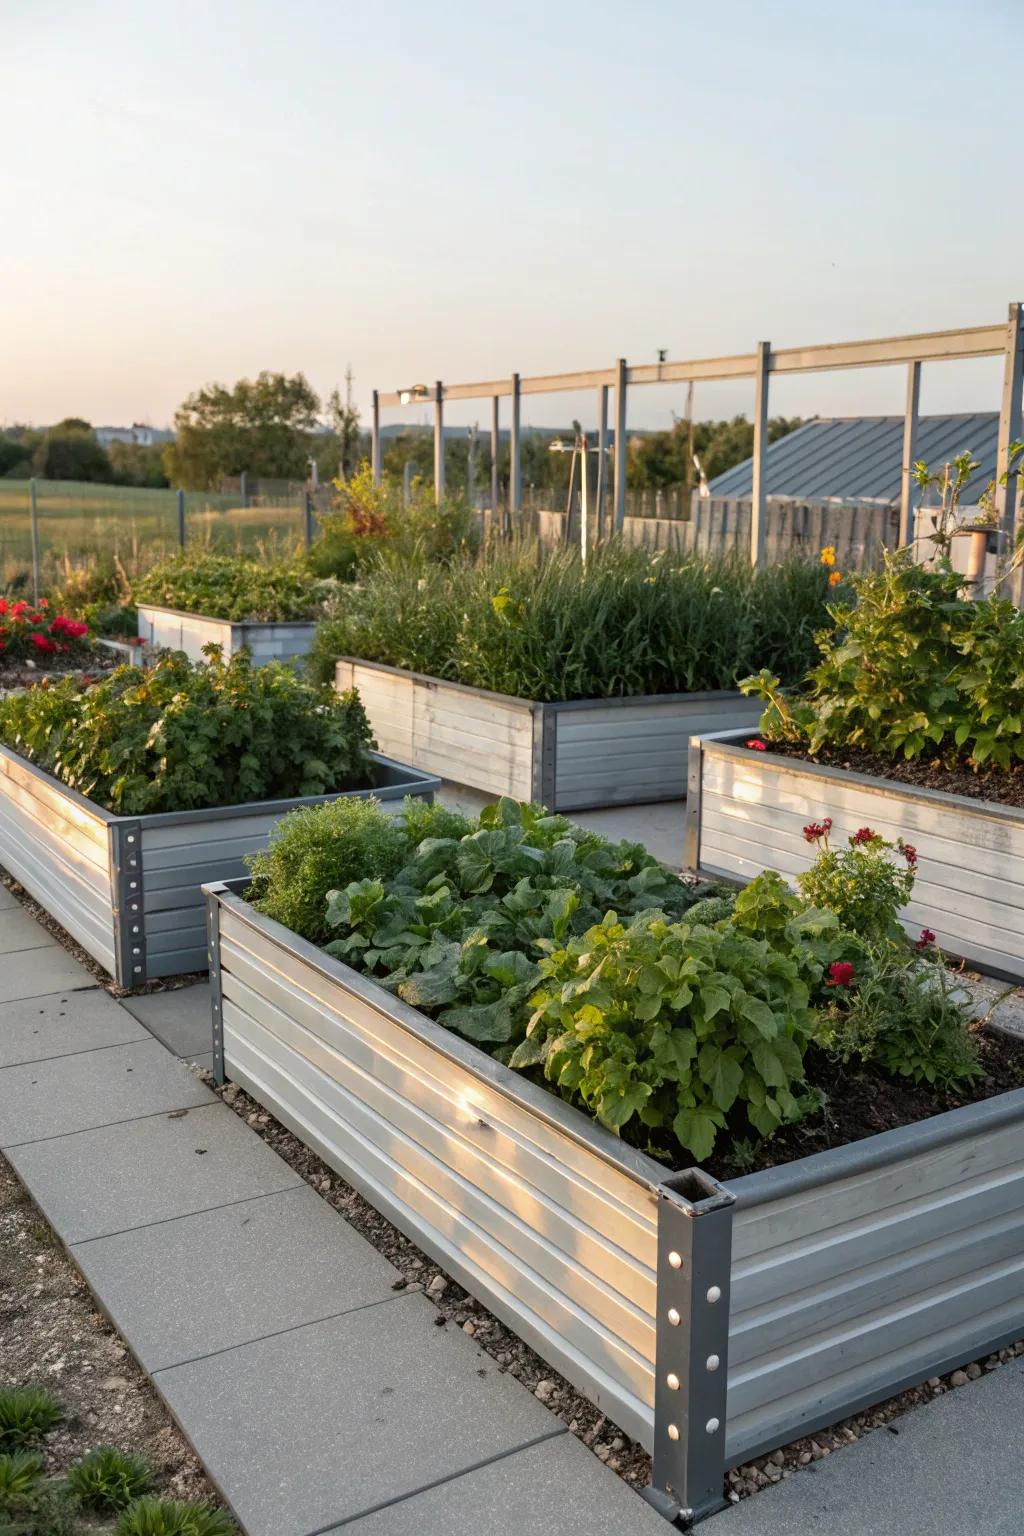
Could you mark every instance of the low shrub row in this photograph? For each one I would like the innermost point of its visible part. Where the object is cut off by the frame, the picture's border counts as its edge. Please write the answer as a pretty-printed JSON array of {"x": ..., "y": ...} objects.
[
  {"x": 541, "y": 626},
  {"x": 180, "y": 736},
  {"x": 675, "y": 1015}
]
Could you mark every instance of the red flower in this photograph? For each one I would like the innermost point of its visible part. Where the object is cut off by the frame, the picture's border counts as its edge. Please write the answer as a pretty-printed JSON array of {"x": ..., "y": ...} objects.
[
  {"x": 18, "y": 609},
  {"x": 3, "y": 605},
  {"x": 41, "y": 643},
  {"x": 927, "y": 938},
  {"x": 863, "y": 835},
  {"x": 909, "y": 853},
  {"x": 72, "y": 628},
  {"x": 840, "y": 974},
  {"x": 816, "y": 830},
  {"x": 757, "y": 746}
]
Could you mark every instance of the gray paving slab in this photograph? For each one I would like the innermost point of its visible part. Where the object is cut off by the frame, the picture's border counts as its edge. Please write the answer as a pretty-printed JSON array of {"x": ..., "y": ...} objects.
[
  {"x": 557, "y": 1488},
  {"x": 35, "y": 973},
  {"x": 19, "y": 931},
  {"x": 179, "y": 1017},
  {"x": 224, "y": 1277},
  {"x": 92, "y": 1088},
  {"x": 35, "y": 1028},
  {"x": 307, "y": 1429},
  {"x": 7, "y": 901},
  {"x": 954, "y": 1469},
  {"x": 99, "y": 1182}
]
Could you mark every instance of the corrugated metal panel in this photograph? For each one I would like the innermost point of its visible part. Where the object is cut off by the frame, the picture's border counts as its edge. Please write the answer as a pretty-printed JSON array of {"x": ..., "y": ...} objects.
[
  {"x": 60, "y": 852},
  {"x": 845, "y": 1290},
  {"x": 465, "y": 734},
  {"x": 560, "y": 1242},
  {"x": 861, "y": 457},
  {"x": 970, "y": 874},
  {"x": 627, "y": 752}
]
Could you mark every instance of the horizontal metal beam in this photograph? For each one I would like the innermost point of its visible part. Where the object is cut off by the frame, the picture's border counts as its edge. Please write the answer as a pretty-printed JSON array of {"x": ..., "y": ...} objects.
[
  {"x": 741, "y": 366},
  {"x": 930, "y": 347}
]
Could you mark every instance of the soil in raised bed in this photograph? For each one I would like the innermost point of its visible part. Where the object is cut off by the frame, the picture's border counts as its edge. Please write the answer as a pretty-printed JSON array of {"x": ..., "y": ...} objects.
[{"x": 1005, "y": 786}]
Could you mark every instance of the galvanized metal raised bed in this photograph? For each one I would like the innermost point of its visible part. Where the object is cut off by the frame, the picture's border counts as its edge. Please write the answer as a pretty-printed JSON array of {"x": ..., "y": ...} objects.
[
  {"x": 128, "y": 888},
  {"x": 189, "y": 632},
  {"x": 572, "y": 755},
  {"x": 711, "y": 1323},
  {"x": 746, "y": 812}
]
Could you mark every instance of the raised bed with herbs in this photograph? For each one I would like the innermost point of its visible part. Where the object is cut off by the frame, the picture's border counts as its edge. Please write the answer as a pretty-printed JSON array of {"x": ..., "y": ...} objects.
[
  {"x": 118, "y": 800},
  {"x": 912, "y": 721},
  {"x": 517, "y": 1033},
  {"x": 266, "y": 607},
  {"x": 535, "y": 677}
]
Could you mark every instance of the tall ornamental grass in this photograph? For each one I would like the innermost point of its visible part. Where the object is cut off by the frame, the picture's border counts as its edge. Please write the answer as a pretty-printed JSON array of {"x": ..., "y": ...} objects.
[{"x": 546, "y": 628}]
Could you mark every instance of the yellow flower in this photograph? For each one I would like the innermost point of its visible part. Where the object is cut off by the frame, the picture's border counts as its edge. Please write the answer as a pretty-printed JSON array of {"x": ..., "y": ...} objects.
[
  {"x": 828, "y": 555},
  {"x": 835, "y": 578}
]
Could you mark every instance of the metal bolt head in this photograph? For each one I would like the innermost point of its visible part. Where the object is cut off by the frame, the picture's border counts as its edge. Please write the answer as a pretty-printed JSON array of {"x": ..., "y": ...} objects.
[
  {"x": 673, "y": 1317},
  {"x": 675, "y": 1259},
  {"x": 711, "y": 1426},
  {"x": 673, "y": 1431},
  {"x": 713, "y": 1362},
  {"x": 673, "y": 1381},
  {"x": 714, "y": 1294}
]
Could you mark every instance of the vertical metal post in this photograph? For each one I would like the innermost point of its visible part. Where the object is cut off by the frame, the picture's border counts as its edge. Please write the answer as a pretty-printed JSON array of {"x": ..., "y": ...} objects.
[
  {"x": 1009, "y": 433},
  {"x": 35, "y": 541},
  {"x": 472, "y": 434},
  {"x": 691, "y": 1345},
  {"x": 620, "y": 444},
  {"x": 181, "y": 519},
  {"x": 439, "y": 443},
  {"x": 243, "y": 487},
  {"x": 906, "y": 529},
  {"x": 602, "y": 451},
  {"x": 584, "y": 500},
  {"x": 216, "y": 986},
  {"x": 407, "y": 473},
  {"x": 308, "y": 519},
  {"x": 375, "y": 438},
  {"x": 495, "y": 439},
  {"x": 758, "y": 489},
  {"x": 515, "y": 477},
  {"x": 125, "y": 854}
]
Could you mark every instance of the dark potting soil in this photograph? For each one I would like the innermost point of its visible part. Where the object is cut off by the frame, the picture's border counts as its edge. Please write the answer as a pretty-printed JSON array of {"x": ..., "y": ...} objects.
[
  {"x": 862, "y": 1102},
  {"x": 1004, "y": 786}
]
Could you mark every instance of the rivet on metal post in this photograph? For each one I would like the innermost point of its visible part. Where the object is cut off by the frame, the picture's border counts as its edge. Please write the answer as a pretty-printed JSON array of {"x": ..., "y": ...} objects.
[{"x": 692, "y": 1343}]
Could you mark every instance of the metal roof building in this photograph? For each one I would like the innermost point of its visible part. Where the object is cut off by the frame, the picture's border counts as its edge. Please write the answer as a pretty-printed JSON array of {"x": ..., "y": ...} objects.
[{"x": 859, "y": 458}]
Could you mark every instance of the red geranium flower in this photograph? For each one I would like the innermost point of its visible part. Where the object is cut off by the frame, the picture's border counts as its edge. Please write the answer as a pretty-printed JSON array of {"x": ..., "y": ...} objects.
[
  {"x": 41, "y": 643},
  {"x": 863, "y": 835},
  {"x": 909, "y": 853},
  {"x": 840, "y": 974},
  {"x": 927, "y": 938},
  {"x": 815, "y": 830},
  {"x": 757, "y": 746}
]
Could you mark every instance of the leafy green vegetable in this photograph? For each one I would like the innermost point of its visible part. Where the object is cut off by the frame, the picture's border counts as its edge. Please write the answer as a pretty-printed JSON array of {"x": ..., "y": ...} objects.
[
  {"x": 180, "y": 736},
  {"x": 230, "y": 587}
]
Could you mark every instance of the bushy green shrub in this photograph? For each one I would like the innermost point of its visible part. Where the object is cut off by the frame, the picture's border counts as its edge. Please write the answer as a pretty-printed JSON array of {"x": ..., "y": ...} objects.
[
  {"x": 909, "y": 668},
  {"x": 866, "y": 884},
  {"x": 26, "y": 1413},
  {"x": 181, "y": 736},
  {"x": 230, "y": 587},
  {"x": 20, "y": 1473},
  {"x": 546, "y": 628},
  {"x": 371, "y": 522},
  {"x": 173, "y": 1517},
  {"x": 108, "y": 1479}
]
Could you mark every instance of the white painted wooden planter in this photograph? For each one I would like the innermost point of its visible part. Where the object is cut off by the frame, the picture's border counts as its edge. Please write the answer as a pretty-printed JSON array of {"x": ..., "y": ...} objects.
[
  {"x": 746, "y": 812},
  {"x": 710, "y": 1323},
  {"x": 128, "y": 888},
  {"x": 189, "y": 632},
  {"x": 571, "y": 755}
]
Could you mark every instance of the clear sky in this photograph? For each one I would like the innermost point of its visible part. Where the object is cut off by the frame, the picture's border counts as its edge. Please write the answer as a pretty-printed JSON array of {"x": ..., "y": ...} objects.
[{"x": 198, "y": 189}]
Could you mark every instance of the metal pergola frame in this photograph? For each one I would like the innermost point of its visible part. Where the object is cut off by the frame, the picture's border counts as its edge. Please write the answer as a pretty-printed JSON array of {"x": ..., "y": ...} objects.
[{"x": 1004, "y": 340}]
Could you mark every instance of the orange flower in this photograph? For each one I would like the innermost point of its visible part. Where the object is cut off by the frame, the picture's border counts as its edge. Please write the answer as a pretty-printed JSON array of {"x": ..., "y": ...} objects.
[
  {"x": 828, "y": 555},
  {"x": 835, "y": 577}
]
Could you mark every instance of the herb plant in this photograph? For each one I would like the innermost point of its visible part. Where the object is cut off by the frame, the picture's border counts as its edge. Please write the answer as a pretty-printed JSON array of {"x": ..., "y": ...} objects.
[
  {"x": 181, "y": 736},
  {"x": 25, "y": 1414},
  {"x": 230, "y": 587},
  {"x": 369, "y": 522},
  {"x": 629, "y": 623},
  {"x": 173, "y": 1517},
  {"x": 108, "y": 1479}
]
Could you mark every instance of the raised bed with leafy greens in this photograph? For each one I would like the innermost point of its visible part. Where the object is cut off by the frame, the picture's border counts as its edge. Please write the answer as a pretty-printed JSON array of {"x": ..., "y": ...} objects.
[{"x": 229, "y": 587}]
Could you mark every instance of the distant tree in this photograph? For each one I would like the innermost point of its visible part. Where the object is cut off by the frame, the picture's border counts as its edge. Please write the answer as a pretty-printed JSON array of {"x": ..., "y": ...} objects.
[
  {"x": 661, "y": 459},
  {"x": 264, "y": 426},
  {"x": 71, "y": 453},
  {"x": 340, "y": 450},
  {"x": 137, "y": 464},
  {"x": 13, "y": 456},
  {"x": 72, "y": 424}
]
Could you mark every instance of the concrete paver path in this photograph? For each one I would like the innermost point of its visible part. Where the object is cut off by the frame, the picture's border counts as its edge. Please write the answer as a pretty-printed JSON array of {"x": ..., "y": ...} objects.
[{"x": 319, "y": 1398}]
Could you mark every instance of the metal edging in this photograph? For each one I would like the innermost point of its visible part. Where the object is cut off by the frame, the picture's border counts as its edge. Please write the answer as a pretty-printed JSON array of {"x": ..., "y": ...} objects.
[
  {"x": 691, "y": 1345},
  {"x": 209, "y": 618},
  {"x": 694, "y": 785},
  {"x": 126, "y": 883},
  {"x": 211, "y": 893}
]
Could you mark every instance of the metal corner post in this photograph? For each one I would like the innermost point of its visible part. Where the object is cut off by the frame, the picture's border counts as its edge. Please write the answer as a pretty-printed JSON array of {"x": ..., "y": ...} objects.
[
  {"x": 375, "y": 437},
  {"x": 438, "y": 443},
  {"x": 759, "y": 487},
  {"x": 129, "y": 917},
  {"x": 691, "y": 1345},
  {"x": 602, "y": 453},
  {"x": 216, "y": 993},
  {"x": 621, "y": 455},
  {"x": 495, "y": 443},
  {"x": 515, "y": 473},
  {"x": 694, "y": 768},
  {"x": 910, "y": 420},
  {"x": 545, "y": 754},
  {"x": 1006, "y": 496}
]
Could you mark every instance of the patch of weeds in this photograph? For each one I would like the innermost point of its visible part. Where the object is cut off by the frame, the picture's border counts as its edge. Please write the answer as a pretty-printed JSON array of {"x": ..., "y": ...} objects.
[
  {"x": 173, "y": 1517},
  {"x": 26, "y": 1413},
  {"x": 20, "y": 1471},
  {"x": 107, "y": 1480}
]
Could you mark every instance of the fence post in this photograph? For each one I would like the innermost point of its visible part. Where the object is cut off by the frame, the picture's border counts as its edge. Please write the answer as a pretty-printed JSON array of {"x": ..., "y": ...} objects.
[
  {"x": 495, "y": 441},
  {"x": 243, "y": 487},
  {"x": 375, "y": 438},
  {"x": 758, "y": 487},
  {"x": 35, "y": 541},
  {"x": 515, "y": 474},
  {"x": 181, "y": 519},
  {"x": 307, "y": 501},
  {"x": 691, "y": 1345},
  {"x": 620, "y": 444},
  {"x": 438, "y": 443},
  {"x": 906, "y": 529},
  {"x": 1009, "y": 432},
  {"x": 602, "y": 450}
]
